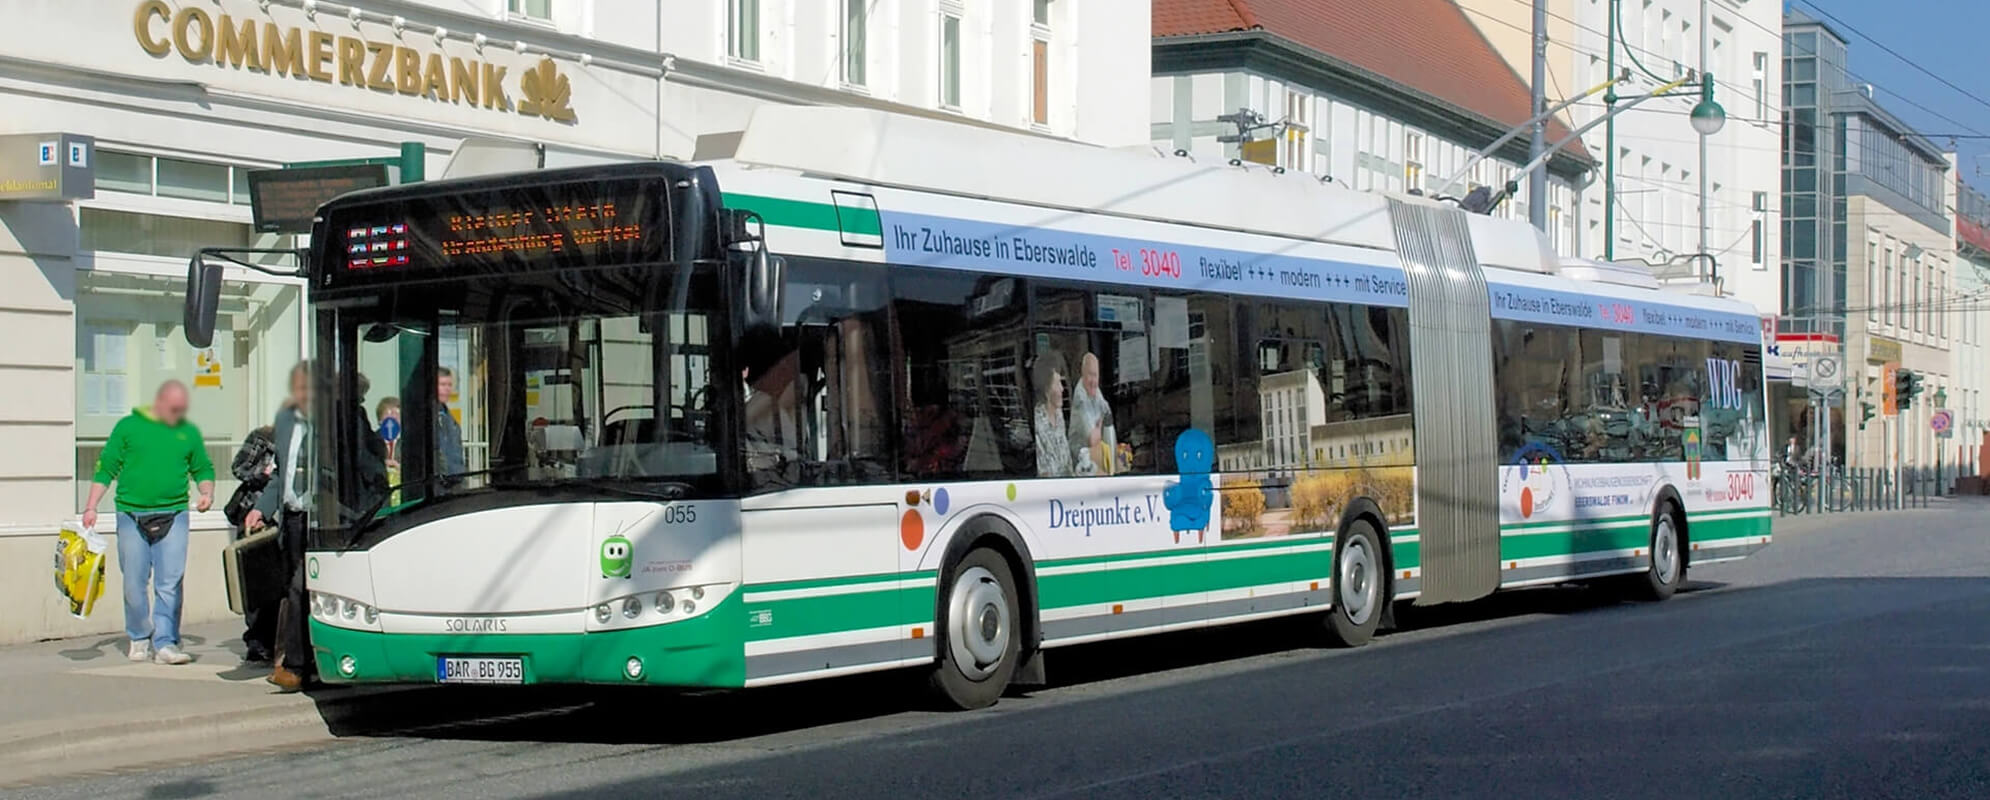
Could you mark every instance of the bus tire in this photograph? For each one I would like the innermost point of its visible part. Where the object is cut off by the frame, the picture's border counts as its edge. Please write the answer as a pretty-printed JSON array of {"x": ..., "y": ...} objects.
[
  {"x": 1359, "y": 586},
  {"x": 1667, "y": 571},
  {"x": 980, "y": 631}
]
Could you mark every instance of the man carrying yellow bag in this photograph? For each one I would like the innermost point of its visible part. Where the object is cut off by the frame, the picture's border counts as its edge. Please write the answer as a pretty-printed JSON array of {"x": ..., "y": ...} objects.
[
  {"x": 151, "y": 456},
  {"x": 79, "y": 568}
]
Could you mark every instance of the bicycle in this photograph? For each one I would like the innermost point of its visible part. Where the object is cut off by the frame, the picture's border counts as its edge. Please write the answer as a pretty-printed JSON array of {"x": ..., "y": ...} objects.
[{"x": 1793, "y": 489}]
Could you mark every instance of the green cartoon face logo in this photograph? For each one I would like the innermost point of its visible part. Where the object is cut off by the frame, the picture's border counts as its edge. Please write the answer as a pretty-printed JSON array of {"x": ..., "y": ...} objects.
[{"x": 615, "y": 557}]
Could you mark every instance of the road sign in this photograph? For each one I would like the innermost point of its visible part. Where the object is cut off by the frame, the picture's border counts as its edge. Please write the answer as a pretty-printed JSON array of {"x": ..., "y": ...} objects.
[
  {"x": 1942, "y": 422},
  {"x": 1825, "y": 371}
]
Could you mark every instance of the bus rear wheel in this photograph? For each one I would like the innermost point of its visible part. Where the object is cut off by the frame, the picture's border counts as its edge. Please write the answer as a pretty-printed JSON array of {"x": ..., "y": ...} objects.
[
  {"x": 1667, "y": 570},
  {"x": 1359, "y": 586},
  {"x": 979, "y": 630}
]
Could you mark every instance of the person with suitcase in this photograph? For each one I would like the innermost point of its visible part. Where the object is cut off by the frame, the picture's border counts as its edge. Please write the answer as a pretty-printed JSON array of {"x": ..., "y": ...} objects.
[{"x": 261, "y": 593}]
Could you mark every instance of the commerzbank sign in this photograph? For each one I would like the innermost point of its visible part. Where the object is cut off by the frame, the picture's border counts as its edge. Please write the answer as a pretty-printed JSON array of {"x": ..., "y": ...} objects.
[{"x": 293, "y": 52}]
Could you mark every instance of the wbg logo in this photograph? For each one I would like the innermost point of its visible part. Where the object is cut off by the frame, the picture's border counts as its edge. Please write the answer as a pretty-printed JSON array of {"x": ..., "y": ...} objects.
[{"x": 1722, "y": 389}]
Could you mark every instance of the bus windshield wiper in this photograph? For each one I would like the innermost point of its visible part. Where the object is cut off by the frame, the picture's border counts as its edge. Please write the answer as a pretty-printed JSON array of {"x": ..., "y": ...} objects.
[{"x": 649, "y": 490}]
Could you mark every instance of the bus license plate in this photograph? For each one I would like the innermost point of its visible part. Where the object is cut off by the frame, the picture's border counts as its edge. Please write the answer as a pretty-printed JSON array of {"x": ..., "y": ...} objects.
[{"x": 479, "y": 670}]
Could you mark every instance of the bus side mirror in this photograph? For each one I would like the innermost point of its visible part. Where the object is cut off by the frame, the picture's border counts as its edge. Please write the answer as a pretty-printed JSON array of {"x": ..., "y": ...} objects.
[
  {"x": 762, "y": 287},
  {"x": 203, "y": 300}
]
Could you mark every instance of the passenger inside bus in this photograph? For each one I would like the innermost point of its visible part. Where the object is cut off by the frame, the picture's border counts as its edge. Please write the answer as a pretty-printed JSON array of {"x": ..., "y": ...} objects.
[
  {"x": 772, "y": 437},
  {"x": 1054, "y": 451}
]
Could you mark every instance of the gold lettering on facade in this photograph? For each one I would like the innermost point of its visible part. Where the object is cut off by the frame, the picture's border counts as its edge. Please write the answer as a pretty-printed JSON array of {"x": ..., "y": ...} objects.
[
  {"x": 407, "y": 70},
  {"x": 435, "y": 80},
  {"x": 203, "y": 37},
  {"x": 237, "y": 46},
  {"x": 462, "y": 82},
  {"x": 352, "y": 61},
  {"x": 141, "y": 25},
  {"x": 494, "y": 96},
  {"x": 283, "y": 53},
  {"x": 321, "y": 56},
  {"x": 192, "y": 20},
  {"x": 376, "y": 70}
]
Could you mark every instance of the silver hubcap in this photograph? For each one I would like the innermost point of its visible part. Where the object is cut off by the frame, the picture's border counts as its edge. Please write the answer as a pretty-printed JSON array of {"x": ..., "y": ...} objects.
[
  {"x": 1665, "y": 551},
  {"x": 1357, "y": 584},
  {"x": 978, "y": 623}
]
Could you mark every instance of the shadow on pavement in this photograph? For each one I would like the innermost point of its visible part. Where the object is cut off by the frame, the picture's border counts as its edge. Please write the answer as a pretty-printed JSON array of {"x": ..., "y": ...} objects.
[{"x": 603, "y": 714}]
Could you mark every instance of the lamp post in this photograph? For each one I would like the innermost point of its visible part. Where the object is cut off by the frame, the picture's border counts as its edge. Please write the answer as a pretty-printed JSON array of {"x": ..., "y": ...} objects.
[{"x": 1707, "y": 119}]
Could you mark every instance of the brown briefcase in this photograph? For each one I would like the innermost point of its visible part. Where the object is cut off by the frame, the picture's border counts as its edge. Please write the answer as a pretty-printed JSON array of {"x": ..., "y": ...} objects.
[{"x": 253, "y": 568}]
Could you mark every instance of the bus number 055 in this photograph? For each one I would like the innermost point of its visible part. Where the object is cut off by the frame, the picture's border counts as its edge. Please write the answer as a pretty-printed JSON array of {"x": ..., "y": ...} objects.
[{"x": 678, "y": 515}]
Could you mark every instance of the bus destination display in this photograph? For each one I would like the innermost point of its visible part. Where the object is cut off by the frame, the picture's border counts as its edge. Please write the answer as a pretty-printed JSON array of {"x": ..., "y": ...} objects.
[{"x": 526, "y": 227}]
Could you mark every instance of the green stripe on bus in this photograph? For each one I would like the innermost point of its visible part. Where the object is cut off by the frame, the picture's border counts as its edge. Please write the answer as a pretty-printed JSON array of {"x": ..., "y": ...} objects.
[
  {"x": 801, "y": 214},
  {"x": 1298, "y": 540},
  {"x": 848, "y": 580},
  {"x": 1127, "y": 577},
  {"x": 835, "y": 613}
]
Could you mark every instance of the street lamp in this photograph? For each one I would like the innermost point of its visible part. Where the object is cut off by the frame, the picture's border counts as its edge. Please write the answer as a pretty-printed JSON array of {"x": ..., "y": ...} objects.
[{"x": 1708, "y": 117}]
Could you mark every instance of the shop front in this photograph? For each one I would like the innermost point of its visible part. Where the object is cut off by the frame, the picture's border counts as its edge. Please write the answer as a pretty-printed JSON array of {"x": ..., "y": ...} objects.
[{"x": 180, "y": 101}]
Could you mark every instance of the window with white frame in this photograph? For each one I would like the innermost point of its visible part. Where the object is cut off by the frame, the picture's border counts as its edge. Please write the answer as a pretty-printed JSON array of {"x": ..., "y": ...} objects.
[
  {"x": 949, "y": 49},
  {"x": 531, "y": 9},
  {"x": 1040, "y": 62},
  {"x": 1761, "y": 85},
  {"x": 1296, "y": 151},
  {"x": 743, "y": 29},
  {"x": 856, "y": 27},
  {"x": 1413, "y": 162}
]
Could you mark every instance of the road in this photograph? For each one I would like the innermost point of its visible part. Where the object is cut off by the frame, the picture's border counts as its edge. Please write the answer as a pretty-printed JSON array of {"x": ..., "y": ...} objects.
[{"x": 1852, "y": 659}]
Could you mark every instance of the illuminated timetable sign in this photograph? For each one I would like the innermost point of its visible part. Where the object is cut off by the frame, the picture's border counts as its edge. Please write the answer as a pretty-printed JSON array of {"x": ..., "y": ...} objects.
[{"x": 508, "y": 228}]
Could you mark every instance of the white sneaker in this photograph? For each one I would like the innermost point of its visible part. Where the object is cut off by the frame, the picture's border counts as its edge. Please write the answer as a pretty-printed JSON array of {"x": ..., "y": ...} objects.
[
  {"x": 141, "y": 651},
  {"x": 172, "y": 655}
]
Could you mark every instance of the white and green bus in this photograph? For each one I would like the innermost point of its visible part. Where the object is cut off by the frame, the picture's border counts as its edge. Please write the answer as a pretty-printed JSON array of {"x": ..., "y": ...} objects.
[{"x": 883, "y": 393}]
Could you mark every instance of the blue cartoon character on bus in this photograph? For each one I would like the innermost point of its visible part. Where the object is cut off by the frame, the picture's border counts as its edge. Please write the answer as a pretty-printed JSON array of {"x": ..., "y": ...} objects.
[{"x": 1189, "y": 499}]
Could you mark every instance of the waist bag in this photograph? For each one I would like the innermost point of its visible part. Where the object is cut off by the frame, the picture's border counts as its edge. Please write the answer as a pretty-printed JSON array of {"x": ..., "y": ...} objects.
[{"x": 154, "y": 527}]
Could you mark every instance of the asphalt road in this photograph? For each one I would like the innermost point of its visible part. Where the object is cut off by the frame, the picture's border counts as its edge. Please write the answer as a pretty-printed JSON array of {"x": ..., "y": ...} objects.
[{"x": 1852, "y": 659}]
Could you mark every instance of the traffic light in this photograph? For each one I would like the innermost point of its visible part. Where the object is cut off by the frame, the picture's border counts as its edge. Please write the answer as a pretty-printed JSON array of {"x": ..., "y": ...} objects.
[
  {"x": 1907, "y": 383},
  {"x": 1866, "y": 412}
]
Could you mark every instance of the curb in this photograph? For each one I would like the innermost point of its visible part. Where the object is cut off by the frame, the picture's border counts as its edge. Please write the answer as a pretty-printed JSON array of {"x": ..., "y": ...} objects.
[{"x": 48, "y": 749}]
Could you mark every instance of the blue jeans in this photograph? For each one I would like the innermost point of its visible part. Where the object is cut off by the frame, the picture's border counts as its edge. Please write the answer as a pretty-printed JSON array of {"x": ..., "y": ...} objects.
[{"x": 165, "y": 564}]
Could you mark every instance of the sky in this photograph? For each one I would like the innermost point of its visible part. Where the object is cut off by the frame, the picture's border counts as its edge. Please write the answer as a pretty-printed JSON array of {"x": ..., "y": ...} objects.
[{"x": 1948, "y": 37}]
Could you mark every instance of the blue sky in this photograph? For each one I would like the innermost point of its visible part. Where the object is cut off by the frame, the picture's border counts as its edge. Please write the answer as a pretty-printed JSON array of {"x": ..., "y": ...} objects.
[{"x": 1949, "y": 38}]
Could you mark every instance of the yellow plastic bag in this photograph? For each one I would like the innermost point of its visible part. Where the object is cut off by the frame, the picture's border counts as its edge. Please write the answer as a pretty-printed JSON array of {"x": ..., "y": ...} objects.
[{"x": 79, "y": 567}]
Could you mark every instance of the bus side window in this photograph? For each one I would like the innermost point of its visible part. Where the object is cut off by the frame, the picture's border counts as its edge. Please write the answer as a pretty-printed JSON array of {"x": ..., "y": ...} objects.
[
  {"x": 817, "y": 393},
  {"x": 960, "y": 353}
]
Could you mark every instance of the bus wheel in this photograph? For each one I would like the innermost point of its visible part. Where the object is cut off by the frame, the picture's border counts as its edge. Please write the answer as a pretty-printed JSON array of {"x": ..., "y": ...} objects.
[
  {"x": 1668, "y": 556},
  {"x": 980, "y": 635},
  {"x": 1359, "y": 579}
]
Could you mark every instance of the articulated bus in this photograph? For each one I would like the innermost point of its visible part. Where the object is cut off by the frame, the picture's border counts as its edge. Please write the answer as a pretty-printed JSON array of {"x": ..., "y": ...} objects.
[{"x": 881, "y": 393}]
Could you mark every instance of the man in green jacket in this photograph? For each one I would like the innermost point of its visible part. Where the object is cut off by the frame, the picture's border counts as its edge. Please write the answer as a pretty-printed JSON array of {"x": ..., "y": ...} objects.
[{"x": 151, "y": 455}]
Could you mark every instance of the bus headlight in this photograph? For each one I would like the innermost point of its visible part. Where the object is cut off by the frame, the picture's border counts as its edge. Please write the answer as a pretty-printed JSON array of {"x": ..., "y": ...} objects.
[
  {"x": 632, "y": 607},
  {"x": 348, "y": 666},
  {"x": 602, "y": 613},
  {"x": 633, "y": 669},
  {"x": 665, "y": 603},
  {"x": 351, "y": 610}
]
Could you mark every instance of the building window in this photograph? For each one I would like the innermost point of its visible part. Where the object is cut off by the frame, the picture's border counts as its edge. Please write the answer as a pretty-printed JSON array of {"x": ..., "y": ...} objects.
[
  {"x": 949, "y": 57},
  {"x": 1296, "y": 150},
  {"x": 1040, "y": 12},
  {"x": 743, "y": 29},
  {"x": 1761, "y": 85},
  {"x": 1413, "y": 164},
  {"x": 172, "y": 177},
  {"x": 856, "y": 24},
  {"x": 1886, "y": 312},
  {"x": 1040, "y": 81},
  {"x": 532, "y": 9}
]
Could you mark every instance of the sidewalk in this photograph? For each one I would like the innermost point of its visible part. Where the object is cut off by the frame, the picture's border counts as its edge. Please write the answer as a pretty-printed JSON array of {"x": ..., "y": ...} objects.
[{"x": 74, "y": 704}]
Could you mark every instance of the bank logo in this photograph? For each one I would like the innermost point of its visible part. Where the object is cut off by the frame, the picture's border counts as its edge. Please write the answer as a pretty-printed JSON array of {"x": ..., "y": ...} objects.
[{"x": 546, "y": 92}]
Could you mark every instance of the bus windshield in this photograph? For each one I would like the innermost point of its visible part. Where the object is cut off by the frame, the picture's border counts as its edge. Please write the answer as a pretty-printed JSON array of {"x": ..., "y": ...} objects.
[{"x": 540, "y": 386}]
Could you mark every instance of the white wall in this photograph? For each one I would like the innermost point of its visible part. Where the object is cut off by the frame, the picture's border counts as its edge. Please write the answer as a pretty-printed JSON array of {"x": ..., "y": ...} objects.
[
  {"x": 1355, "y": 146},
  {"x": 1658, "y": 168}
]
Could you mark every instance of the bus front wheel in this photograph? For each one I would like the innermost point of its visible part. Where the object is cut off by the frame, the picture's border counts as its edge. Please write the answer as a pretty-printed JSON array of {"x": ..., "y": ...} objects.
[
  {"x": 980, "y": 632},
  {"x": 1359, "y": 586}
]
